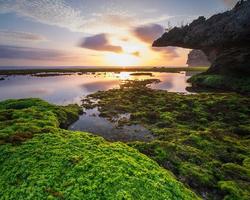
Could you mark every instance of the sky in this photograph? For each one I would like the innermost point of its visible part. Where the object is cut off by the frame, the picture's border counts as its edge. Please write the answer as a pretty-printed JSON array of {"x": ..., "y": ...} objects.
[{"x": 95, "y": 32}]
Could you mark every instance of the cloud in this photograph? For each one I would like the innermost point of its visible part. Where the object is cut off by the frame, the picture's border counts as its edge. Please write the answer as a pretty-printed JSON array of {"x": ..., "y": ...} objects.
[
  {"x": 65, "y": 14},
  {"x": 51, "y": 12},
  {"x": 149, "y": 32},
  {"x": 169, "y": 52},
  {"x": 100, "y": 43},
  {"x": 17, "y": 52},
  {"x": 158, "y": 19},
  {"x": 7, "y": 35},
  {"x": 118, "y": 20},
  {"x": 108, "y": 23},
  {"x": 150, "y": 10}
]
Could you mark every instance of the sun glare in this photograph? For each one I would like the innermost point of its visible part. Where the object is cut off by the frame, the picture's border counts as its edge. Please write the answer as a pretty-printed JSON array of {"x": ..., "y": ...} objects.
[
  {"x": 124, "y": 75},
  {"x": 122, "y": 59}
]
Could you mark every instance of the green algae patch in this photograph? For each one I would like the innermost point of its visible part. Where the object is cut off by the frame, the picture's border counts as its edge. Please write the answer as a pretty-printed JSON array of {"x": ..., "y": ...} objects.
[
  {"x": 21, "y": 119},
  {"x": 53, "y": 163},
  {"x": 221, "y": 82},
  {"x": 74, "y": 165},
  {"x": 202, "y": 138}
]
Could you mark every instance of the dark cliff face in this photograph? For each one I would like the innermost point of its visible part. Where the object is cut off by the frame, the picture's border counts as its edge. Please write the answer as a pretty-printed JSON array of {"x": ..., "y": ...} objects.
[
  {"x": 197, "y": 58},
  {"x": 225, "y": 39}
]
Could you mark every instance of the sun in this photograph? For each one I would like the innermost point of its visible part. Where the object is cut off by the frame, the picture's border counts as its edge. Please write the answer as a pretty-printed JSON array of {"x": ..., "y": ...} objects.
[{"x": 122, "y": 59}]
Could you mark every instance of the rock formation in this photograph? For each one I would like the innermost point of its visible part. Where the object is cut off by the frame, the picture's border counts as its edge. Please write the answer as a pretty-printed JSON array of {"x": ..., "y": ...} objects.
[
  {"x": 197, "y": 58},
  {"x": 224, "y": 38}
]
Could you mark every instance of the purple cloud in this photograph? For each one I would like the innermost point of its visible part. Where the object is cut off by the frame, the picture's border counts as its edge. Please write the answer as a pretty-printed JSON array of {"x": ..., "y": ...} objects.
[
  {"x": 148, "y": 33},
  {"x": 99, "y": 43},
  {"x": 16, "y": 52},
  {"x": 20, "y": 36}
]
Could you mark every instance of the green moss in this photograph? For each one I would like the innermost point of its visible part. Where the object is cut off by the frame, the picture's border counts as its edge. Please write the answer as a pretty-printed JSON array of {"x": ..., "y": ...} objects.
[
  {"x": 196, "y": 174},
  {"x": 23, "y": 118},
  {"x": 52, "y": 163},
  {"x": 235, "y": 171},
  {"x": 236, "y": 190},
  {"x": 77, "y": 165},
  {"x": 220, "y": 82},
  {"x": 202, "y": 138}
]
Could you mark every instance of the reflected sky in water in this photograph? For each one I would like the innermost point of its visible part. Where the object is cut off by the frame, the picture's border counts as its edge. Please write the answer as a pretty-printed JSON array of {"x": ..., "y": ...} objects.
[
  {"x": 93, "y": 123},
  {"x": 71, "y": 88}
]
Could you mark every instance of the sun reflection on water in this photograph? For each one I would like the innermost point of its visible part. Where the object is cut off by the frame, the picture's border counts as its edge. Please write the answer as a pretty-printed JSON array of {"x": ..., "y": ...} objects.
[{"x": 124, "y": 75}]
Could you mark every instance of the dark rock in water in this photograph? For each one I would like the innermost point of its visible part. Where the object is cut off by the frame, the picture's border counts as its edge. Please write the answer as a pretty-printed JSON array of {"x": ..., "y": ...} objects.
[
  {"x": 1, "y": 79},
  {"x": 224, "y": 38},
  {"x": 197, "y": 58}
]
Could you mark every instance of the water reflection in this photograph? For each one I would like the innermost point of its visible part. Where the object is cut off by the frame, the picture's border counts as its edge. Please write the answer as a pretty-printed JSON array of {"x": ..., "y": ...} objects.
[
  {"x": 65, "y": 89},
  {"x": 100, "y": 85},
  {"x": 71, "y": 88},
  {"x": 91, "y": 122}
]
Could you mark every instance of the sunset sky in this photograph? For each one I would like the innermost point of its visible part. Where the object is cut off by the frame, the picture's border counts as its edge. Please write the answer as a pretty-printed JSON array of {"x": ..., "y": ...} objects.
[{"x": 95, "y": 32}]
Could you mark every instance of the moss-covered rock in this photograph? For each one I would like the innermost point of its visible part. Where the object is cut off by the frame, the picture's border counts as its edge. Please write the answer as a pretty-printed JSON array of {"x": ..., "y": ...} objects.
[
  {"x": 202, "y": 138},
  {"x": 211, "y": 81},
  {"x": 20, "y": 119},
  {"x": 61, "y": 164}
]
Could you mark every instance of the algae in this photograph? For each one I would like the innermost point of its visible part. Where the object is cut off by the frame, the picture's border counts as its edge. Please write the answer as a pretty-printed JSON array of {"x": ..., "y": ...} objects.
[
  {"x": 221, "y": 82},
  {"x": 53, "y": 163},
  {"x": 20, "y": 119},
  {"x": 202, "y": 138}
]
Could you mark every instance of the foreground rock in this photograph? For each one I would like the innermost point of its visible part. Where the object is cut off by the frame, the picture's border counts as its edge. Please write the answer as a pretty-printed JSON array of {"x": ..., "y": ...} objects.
[
  {"x": 197, "y": 58},
  {"x": 224, "y": 38}
]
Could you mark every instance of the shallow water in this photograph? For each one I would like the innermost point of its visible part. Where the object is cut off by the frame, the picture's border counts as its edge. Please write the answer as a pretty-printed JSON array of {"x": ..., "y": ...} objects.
[
  {"x": 93, "y": 123},
  {"x": 72, "y": 88}
]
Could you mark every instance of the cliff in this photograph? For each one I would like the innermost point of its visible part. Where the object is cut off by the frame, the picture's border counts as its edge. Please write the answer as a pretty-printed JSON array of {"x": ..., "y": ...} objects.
[
  {"x": 197, "y": 58},
  {"x": 224, "y": 38}
]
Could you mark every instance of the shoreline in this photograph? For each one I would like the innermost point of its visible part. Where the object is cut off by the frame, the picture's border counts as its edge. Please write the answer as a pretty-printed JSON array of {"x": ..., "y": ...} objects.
[{"x": 77, "y": 70}]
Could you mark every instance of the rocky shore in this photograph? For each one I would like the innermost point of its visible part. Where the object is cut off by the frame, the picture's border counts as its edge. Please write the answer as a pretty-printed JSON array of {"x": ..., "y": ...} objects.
[{"x": 225, "y": 39}]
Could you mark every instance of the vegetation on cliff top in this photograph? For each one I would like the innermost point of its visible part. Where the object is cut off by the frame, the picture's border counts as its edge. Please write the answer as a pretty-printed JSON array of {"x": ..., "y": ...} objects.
[
  {"x": 203, "y": 138},
  {"x": 53, "y": 163}
]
